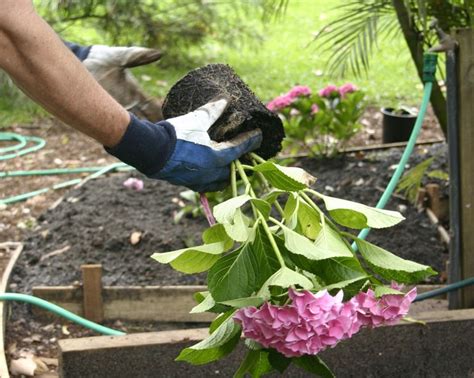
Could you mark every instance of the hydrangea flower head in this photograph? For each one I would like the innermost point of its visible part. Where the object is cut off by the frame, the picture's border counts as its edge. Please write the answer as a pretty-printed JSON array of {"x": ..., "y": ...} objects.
[
  {"x": 329, "y": 91},
  {"x": 312, "y": 323},
  {"x": 279, "y": 103},
  {"x": 386, "y": 310},
  {"x": 298, "y": 91},
  {"x": 347, "y": 88}
]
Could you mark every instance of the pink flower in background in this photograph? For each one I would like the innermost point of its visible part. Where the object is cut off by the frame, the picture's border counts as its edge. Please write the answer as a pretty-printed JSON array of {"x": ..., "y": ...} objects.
[
  {"x": 314, "y": 109},
  {"x": 299, "y": 90},
  {"x": 133, "y": 183},
  {"x": 386, "y": 310},
  {"x": 347, "y": 88},
  {"x": 315, "y": 322},
  {"x": 279, "y": 103},
  {"x": 328, "y": 91}
]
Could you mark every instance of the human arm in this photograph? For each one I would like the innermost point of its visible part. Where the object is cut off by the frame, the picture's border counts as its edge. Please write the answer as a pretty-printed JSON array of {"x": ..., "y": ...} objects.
[
  {"x": 37, "y": 60},
  {"x": 177, "y": 150}
]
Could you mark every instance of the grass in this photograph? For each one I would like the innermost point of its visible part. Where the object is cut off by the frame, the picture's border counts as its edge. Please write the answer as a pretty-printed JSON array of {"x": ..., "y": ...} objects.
[{"x": 283, "y": 58}]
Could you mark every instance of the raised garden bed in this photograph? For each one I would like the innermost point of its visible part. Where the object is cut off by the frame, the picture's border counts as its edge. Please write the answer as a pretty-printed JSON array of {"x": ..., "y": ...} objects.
[{"x": 93, "y": 224}]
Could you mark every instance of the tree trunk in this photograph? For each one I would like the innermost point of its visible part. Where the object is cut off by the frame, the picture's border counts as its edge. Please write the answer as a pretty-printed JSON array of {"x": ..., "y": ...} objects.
[{"x": 415, "y": 45}]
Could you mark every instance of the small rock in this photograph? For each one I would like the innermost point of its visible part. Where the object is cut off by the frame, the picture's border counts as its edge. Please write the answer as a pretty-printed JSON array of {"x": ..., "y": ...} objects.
[
  {"x": 36, "y": 337},
  {"x": 135, "y": 237},
  {"x": 329, "y": 188},
  {"x": 402, "y": 208}
]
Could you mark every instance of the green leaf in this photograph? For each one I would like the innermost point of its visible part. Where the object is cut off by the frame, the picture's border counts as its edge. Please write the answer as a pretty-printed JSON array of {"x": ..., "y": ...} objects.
[
  {"x": 285, "y": 178},
  {"x": 221, "y": 318},
  {"x": 278, "y": 361},
  {"x": 285, "y": 277},
  {"x": 356, "y": 215},
  {"x": 346, "y": 283},
  {"x": 239, "y": 229},
  {"x": 439, "y": 174},
  {"x": 331, "y": 243},
  {"x": 206, "y": 304},
  {"x": 308, "y": 220},
  {"x": 255, "y": 363},
  {"x": 385, "y": 290},
  {"x": 242, "y": 272},
  {"x": 392, "y": 267},
  {"x": 244, "y": 302},
  {"x": 225, "y": 211},
  {"x": 217, "y": 345},
  {"x": 262, "y": 206},
  {"x": 272, "y": 196},
  {"x": 327, "y": 245},
  {"x": 215, "y": 234},
  {"x": 314, "y": 365},
  {"x": 192, "y": 260},
  {"x": 331, "y": 270},
  {"x": 290, "y": 211}
]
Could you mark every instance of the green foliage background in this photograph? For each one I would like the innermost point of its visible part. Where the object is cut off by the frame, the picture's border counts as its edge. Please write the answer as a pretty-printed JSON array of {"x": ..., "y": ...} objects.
[{"x": 271, "y": 57}]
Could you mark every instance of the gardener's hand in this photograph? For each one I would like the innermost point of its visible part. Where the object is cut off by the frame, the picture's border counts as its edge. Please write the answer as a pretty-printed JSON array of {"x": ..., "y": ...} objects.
[
  {"x": 180, "y": 151},
  {"x": 109, "y": 66}
]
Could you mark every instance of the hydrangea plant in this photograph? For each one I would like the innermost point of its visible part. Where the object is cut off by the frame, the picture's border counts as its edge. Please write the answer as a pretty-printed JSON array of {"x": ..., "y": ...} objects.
[
  {"x": 321, "y": 122},
  {"x": 282, "y": 273}
]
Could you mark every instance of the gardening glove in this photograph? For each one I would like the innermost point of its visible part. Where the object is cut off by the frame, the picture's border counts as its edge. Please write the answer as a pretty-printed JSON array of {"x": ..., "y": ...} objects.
[
  {"x": 180, "y": 151},
  {"x": 109, "y": 66}
]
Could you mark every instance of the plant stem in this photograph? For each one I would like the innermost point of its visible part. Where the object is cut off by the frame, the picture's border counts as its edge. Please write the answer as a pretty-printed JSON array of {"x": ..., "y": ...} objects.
[
  {"x": 207, "y": 209},
  {"x": 233, "y": 180},
  {"x": 258, "y": 158},
  {"x": 272, "y": 241},
  {"x": 260, "y": 217}
]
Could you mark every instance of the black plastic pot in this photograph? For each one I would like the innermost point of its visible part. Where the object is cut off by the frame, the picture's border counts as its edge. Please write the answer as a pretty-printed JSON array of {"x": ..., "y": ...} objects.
[{"x": 397, "y": 127}]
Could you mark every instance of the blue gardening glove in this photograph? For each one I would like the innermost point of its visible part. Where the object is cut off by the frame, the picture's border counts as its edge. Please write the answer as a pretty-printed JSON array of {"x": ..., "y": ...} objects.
[{"x": 180, "y": 151}]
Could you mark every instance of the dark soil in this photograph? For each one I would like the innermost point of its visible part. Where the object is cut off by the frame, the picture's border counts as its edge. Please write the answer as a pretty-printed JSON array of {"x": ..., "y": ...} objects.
[
  {"x": 96, "y": 222},
  {"x": 245, "y": 112}
]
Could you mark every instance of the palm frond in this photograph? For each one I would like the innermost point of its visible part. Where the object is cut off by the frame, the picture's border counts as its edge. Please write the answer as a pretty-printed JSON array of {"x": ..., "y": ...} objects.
[{"x": 352, "y": 37}]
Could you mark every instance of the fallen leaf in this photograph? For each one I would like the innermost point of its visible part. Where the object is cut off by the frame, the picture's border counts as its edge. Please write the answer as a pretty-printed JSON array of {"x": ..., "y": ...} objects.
[{"x": 135, "y": 237}]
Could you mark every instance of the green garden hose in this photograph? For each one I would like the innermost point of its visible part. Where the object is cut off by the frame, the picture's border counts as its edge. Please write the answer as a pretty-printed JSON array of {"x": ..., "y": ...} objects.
[
  {"x": 429, "y": 70},
  {"x": 61, "y": 312},
  {"x": 20, "y": 148}
]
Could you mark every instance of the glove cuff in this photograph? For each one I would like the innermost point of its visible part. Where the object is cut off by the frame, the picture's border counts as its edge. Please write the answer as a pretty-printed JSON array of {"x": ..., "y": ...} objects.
[
  {"x": 145, "y": 145},
  {"x": 81, "y": 52}
]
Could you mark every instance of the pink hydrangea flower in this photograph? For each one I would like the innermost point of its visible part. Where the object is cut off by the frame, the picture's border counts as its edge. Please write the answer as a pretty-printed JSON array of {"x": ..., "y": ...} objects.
[
  {"x": 328, "y": 91},
  {"x": 347, "y": 88},
  {"x": 387, "y": 310},
  {"x": 279, "y": 103},
  {"x": 299, "y": 90},
  {"x": 310, "y": 324},
  {"x": 133, "y": 183},
  {"x": 314, "y": 109},
  {"x": 315, "y": 322}
]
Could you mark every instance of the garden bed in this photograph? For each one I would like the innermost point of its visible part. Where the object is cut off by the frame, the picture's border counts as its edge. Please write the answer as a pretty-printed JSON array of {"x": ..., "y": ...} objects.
[{"x": 93, "y": 224}]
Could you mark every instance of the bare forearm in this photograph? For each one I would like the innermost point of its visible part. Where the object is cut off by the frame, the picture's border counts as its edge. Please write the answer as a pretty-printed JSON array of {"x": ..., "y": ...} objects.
[{"x": 46, "y": 70}]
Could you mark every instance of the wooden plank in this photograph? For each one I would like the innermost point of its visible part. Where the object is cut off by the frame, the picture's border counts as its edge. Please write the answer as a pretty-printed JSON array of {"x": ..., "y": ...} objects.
[
  {"x": 465, "y": 39},
  {"x": 139, "y": 303},
  {"x": 166, "y": 304},
  {"x": 402, "y": 350},
  {"x": 10, "y": 251},
  {"x": 92, "y": 292}
]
